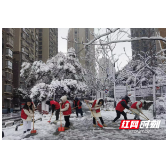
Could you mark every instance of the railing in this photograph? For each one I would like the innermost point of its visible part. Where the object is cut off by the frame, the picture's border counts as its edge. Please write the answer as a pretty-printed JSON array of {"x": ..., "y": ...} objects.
[
  {"x": 9, "y": 41},
  {"x": 10, "y": 31}
]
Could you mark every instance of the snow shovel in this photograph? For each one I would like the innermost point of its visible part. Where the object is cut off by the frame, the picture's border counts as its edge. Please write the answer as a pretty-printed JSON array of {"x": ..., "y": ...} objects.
[
  {"x": 50, "y": 118},
  {"x": 61, "y": 129},
  {"x": 95, "y": 117},
  {"x": 33, "y": 131},
  {"x": 140, "y": 115},
  {"x": 144, "y": 115}
]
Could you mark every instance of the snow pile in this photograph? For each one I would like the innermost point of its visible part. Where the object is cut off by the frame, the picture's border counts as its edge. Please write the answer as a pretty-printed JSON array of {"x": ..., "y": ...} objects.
[{"x": 82, "y": 129}]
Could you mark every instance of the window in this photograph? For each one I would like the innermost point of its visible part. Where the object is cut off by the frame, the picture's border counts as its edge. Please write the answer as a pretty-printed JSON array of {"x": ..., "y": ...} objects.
[
  {"x": 40, "y": 56},
  {"x": 9, "y": 64},
  {"x": 40, "y": 52},
  {"x": 8, "y": 88},
  {"x": 9, "y": 53},
  {"x": 8, "y": 76},
  {"x": 40, "y": 43}
]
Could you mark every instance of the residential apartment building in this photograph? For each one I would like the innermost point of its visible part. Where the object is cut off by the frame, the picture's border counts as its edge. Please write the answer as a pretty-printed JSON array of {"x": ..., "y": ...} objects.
[
  {"x": 25, "y": 50},
  {"x": 83, "y": 54},
  {"x": 48, "y": 43},
  {"x": 7, "y": 67},
  {"x": 160, "y": 44},
  {"x": 143, "y": 45},
  {"x": 105, "y": 73}
]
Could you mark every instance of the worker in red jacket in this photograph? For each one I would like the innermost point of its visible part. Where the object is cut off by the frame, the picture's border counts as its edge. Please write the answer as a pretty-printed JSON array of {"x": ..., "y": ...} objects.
[
  {"x": 120, "y": 108},
  {"x": 66, "y": 110},
  {"x": 77, "y": 105},
  {"x": 137, "y": 108},
  {"x": 55, "y": 106}
]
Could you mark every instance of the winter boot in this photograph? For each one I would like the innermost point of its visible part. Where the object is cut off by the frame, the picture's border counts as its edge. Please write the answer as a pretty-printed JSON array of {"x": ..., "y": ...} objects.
[
  {"x": 55, "y": 121},
  {"x": 66, "y": 128},
  {"x": 24, "y": 132},
  {"x": 28, "y": 130},
  {"x": 104, "y": 125},
  {"x": 113, "y": 122},
  {"x": 94, "y": 125}
]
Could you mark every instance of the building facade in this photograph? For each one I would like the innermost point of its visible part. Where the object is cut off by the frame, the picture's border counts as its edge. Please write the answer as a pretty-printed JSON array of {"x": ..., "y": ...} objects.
[
  {"x": 143, "y": 45},
  {"x": 48, "y": 43},
  {"x": 83, "y": 54},
  {"x": 25, "y": 50},
  {"x": 7, "y": 67},
  {"x": 160, "y": 44}
]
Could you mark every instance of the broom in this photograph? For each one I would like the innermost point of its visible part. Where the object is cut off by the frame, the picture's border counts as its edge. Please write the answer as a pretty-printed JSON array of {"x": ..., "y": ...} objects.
[
  {"x": 33, "y": 131},
  {"x": 140, "y": 115},
  {"x": 95, "y": 117},
  {"x": 61, "y": 129},
  {"x": 50, "y": 118}
]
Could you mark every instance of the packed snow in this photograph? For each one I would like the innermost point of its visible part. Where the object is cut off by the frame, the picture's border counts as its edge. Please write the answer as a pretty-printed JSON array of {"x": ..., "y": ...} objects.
[{"x": 82, "y": 128}]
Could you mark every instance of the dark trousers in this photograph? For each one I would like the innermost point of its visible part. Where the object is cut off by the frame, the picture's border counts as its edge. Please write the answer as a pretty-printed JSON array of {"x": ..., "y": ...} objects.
[
  {"x": 57, "y": 112},
  {"x": 101, "y": 119},
  {"x": 79, "y": 111},
  {"x": 67, "y": 120},
  {"x": 119, "y": 114}
]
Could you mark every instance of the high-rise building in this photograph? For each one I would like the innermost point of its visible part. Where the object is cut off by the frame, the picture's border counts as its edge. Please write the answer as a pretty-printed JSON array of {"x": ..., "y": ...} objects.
[
  {"x": 143, "y": 45},
  {"x": 7, "y": 67},
  {"x": 106, "y": 71},
  {"x": 82, "y": 35},
  {"x": 48, "y": 43},
  {"x": 160, "y": 44},
  {"x": 25, "y": 50}
]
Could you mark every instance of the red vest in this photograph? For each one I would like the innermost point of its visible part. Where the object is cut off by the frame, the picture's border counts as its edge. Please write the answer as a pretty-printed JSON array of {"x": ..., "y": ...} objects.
[
  {"x": 68, "y": 112},
  {"x": 119, "y": 107},
  {"x": 134, "y": 105},
  {"x": 93, "y": 105},
  {"x": 77, "y": 104},
  {"x": 57, "y": 105},
  {"x": 23, "y": 115}
]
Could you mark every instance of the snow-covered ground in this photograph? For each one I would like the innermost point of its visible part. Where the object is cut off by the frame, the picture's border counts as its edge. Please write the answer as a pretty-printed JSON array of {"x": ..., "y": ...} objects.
[{"x": 82, "y": 129}]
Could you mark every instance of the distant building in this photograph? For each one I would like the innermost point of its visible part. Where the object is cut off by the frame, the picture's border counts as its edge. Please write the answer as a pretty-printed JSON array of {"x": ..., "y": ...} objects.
[
  {"x": 48, "y": 43},
  {"x": 105, "y": 73},
  {"x": 143, "y": 45},
  {"x": 79, "y": 35},
  {"x": 7, "y": 67},
  {"x": 160, "y": 44}
]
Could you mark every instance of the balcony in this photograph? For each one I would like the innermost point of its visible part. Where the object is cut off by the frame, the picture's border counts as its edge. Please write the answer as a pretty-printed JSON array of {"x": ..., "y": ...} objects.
[
  {"x": 10, "y": 31},
  {"x": 33, "y": 38},
  {"x": 24, "y": 43},
  {"x": 9, "y": 56},
  {"x": 8, "y": 76},
  {"x": 9, "y": 41},
  {"x": 8, "y": 89}
]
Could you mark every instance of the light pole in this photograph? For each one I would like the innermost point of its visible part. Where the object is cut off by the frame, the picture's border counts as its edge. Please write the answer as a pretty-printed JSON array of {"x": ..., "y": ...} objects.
[{"x": 114, "y": 86}]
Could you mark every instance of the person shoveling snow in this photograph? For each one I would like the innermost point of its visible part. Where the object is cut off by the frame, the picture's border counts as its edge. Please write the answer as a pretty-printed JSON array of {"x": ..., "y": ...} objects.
[{"x": 95, "y": 110}]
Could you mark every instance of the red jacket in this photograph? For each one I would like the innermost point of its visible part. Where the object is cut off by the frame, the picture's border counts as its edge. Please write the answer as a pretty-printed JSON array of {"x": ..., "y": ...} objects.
[
  {"x": 134, "y": 105},
  {"x": 23, "y": 115},
  {"x": 119, "y": 107},
  {"x": 68, "y": 112},
  {"x": 78, "y": 104},
  {"x": 93, "y": 105},
  {"x": 57, "y": 105}
]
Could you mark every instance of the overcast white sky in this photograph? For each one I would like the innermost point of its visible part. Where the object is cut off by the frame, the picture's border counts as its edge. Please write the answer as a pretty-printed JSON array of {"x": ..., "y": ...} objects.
[{"x": 62, "y": 45}]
